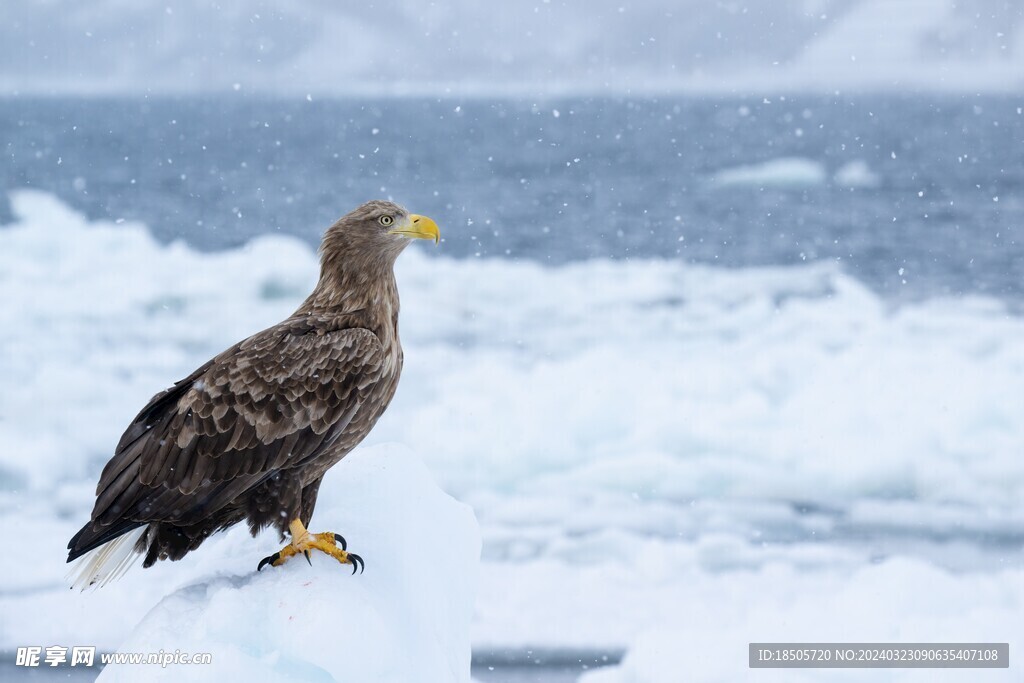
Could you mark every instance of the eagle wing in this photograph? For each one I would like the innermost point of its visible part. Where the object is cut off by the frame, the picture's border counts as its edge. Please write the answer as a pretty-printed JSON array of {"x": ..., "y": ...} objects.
[{"x": 276, "y": 400}]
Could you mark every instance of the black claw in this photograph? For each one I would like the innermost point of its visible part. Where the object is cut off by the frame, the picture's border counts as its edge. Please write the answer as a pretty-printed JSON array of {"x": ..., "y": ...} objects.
[
  {"x": 341, "y": 539},
  {"x": 268, "y": 560},
  {"x": 306, "y": 553},
  {"x": 357, "y": 563}
]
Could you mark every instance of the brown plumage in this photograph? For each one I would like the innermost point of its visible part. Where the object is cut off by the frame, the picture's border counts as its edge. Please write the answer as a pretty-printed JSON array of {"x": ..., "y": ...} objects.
[{"x": 250, "y": 434}]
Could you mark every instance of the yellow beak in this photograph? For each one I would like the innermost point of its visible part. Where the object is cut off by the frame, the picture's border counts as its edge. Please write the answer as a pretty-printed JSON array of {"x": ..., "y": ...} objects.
[{"x": 419, "y": 227}]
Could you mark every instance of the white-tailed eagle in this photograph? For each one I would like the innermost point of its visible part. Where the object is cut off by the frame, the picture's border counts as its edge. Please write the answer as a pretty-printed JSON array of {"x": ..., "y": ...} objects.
[{"x": 249, "y": 435}]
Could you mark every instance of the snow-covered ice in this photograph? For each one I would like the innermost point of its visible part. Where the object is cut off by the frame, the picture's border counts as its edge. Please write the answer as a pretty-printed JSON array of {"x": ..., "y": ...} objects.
[
  {"x": 856, "y": 174},
  {"x": 896, "y": 601},
  {"x": 796, "y": 172},
  {"x": 407, "y": 618},
  {"x": 785, "y": 172},
  {"x": 641, "y": 441}
]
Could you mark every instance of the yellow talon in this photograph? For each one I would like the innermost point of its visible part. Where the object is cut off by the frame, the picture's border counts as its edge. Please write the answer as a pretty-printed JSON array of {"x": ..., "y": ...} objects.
[{"x": 303, "y": 541}]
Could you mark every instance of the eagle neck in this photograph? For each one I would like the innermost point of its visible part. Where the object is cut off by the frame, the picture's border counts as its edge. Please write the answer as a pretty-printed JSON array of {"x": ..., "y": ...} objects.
[{"x": 365, "y": 289}]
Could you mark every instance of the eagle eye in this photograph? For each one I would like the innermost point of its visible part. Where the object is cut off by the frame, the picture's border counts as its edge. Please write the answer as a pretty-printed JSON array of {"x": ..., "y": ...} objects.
[{"x": 386, "y": 220}]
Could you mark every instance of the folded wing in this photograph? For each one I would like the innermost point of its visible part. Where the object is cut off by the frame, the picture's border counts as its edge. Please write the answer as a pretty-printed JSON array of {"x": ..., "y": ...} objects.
[{"x": 274, "y": 401}]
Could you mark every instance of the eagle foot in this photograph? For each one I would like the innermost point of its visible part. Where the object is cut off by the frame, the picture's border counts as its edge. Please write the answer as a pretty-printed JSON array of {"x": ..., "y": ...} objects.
[{"x": 303, "y": 541}]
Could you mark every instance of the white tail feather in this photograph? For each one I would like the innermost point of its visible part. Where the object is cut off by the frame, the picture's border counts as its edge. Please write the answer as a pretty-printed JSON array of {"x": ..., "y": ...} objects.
[{"x": 109, "y": 562}]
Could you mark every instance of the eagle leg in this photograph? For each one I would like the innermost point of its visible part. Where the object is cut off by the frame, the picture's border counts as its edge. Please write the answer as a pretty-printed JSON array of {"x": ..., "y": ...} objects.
[{"x": 303, "y": 541}]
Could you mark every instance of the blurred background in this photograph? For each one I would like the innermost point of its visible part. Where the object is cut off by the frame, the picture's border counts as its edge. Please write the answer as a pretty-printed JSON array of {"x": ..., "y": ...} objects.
[{"x": 722, "y": 342}]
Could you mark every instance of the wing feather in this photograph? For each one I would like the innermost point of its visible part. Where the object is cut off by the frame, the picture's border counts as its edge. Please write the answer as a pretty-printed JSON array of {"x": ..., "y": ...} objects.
[{"x": 275, "y": 400}]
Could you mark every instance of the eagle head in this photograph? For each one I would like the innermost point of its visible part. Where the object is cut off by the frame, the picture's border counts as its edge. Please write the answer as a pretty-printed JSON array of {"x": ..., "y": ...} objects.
[{"x": 377, "y": 229}]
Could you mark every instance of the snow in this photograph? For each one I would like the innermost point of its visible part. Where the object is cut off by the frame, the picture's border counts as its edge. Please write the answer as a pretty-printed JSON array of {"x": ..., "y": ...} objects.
[
  {"x": 682, "y": 443},
  {"x": 406, "y": 618},
  {"x": 896, "y": 601},
  {"x": 784, "y": 172}
]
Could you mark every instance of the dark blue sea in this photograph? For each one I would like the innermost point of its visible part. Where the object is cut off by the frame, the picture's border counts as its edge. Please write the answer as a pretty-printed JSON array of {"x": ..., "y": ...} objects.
[{"x": 940, "y": 209}]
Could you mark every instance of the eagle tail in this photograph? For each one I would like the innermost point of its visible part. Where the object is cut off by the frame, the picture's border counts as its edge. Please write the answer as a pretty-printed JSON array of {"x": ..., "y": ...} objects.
[{"x": 108, "y": 562}]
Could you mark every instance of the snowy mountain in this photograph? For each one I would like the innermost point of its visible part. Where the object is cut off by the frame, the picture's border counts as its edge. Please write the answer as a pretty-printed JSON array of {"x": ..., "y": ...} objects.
[{"x": 547, "y": 46}]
